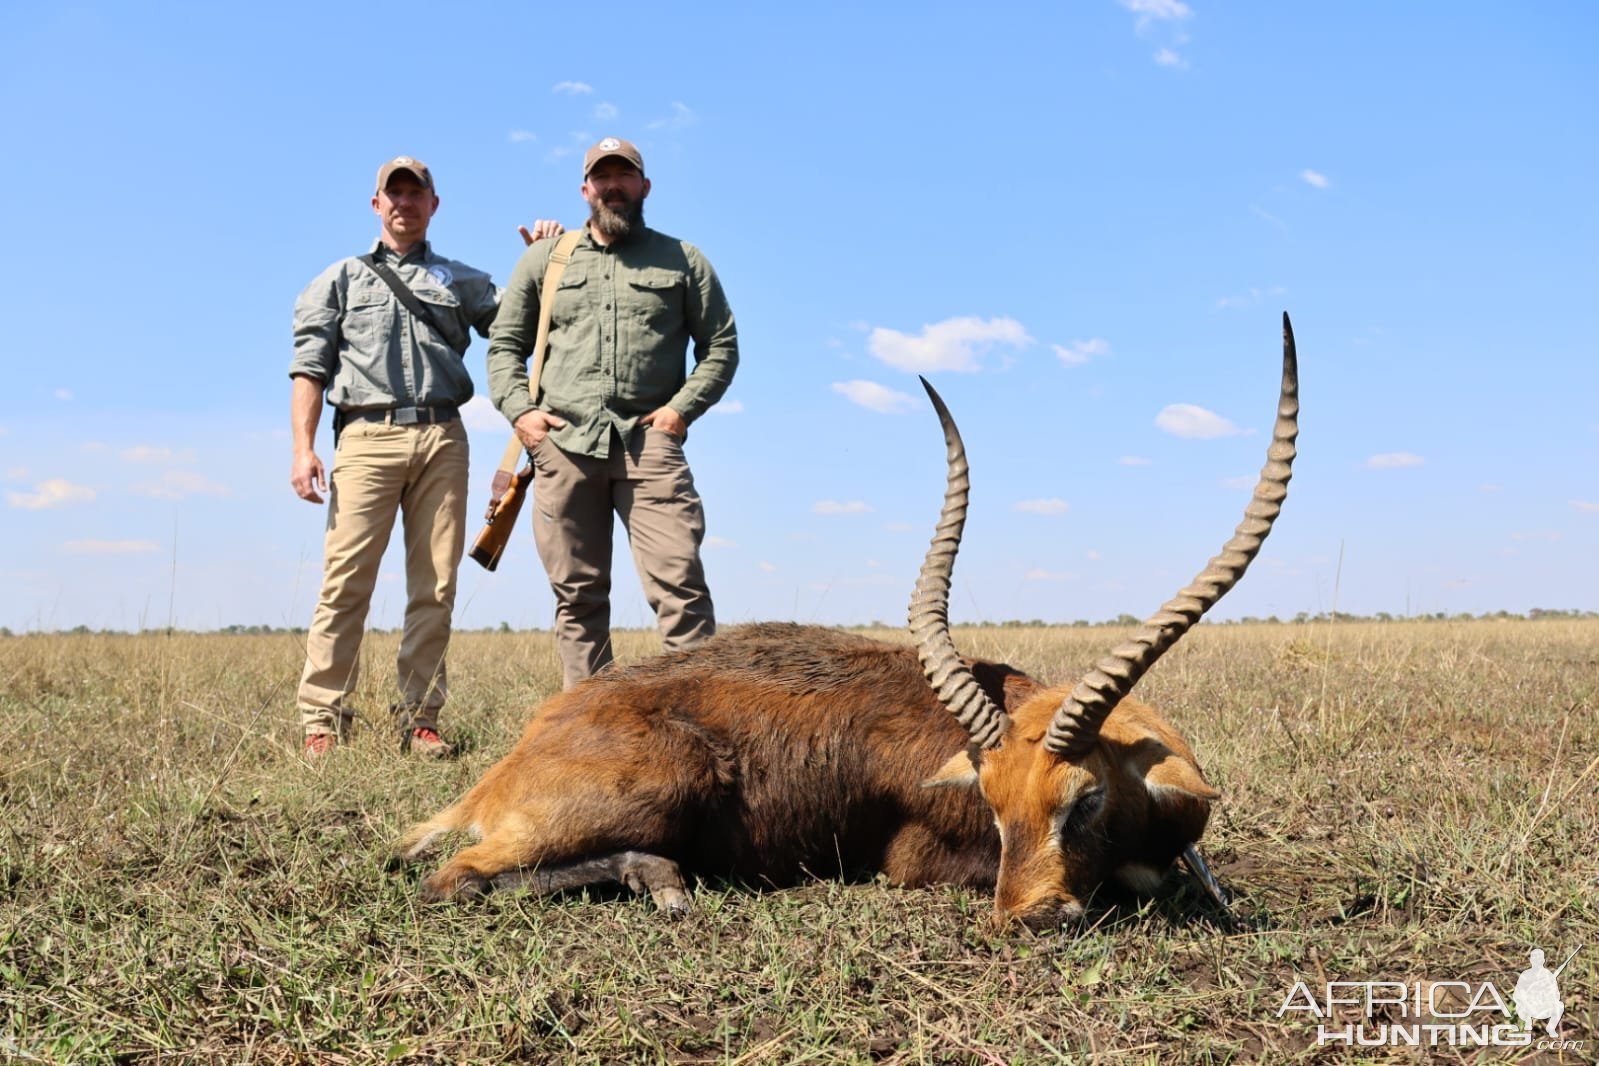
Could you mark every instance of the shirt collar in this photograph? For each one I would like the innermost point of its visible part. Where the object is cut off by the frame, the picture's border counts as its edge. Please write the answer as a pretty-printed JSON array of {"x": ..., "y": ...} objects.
[
  {"x": 421, "y": 251},
  {"x": 636, "y": 237}
]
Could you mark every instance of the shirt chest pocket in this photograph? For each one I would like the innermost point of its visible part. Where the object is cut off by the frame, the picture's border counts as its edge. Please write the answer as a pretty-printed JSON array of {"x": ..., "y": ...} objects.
[
  {"x": 570, "y": 302},
  {"x": 366, "y": 296},
  {"x": 655, "y": 298},
  {"x": 437, "y": 297},
  {"x": 368, "y": 317}
]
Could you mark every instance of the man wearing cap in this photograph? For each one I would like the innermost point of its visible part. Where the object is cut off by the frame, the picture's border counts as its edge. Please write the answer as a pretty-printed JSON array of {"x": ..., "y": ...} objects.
[
  {"x": 392, "y": 368},
  {"x": 615, "y": 400}
]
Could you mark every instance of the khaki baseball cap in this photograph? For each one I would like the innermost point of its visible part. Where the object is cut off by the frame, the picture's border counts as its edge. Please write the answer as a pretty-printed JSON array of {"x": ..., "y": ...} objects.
[
  {"x": 612, "y": 146},
  {"x": 417, "y": 168}
]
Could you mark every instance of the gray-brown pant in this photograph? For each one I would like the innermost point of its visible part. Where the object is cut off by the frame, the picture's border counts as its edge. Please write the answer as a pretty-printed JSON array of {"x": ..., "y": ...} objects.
[
  {"x": 379, "y": 470},
  {"x": 647, "y": 483}
]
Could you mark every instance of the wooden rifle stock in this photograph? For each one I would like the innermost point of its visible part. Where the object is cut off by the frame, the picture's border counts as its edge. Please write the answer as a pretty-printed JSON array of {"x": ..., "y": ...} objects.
[
  {"x": 510, "y": 489},
  {"x": 505, "y": 503}
]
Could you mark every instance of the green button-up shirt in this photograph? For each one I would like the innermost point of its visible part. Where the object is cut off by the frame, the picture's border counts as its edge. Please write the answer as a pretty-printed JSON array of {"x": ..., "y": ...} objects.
[
  {"x": 619, "y": 333},
  {"x": 355, "y": 336}
]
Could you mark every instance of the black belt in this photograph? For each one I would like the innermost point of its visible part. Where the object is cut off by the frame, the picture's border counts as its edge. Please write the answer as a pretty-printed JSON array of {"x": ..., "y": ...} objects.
[{"x": 404, "y": 416}]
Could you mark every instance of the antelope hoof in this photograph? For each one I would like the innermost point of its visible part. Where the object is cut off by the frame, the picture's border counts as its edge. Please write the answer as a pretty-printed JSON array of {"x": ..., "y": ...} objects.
[
  {"x": 672, "y": 901},
  {"x": 462, "y": 886}
]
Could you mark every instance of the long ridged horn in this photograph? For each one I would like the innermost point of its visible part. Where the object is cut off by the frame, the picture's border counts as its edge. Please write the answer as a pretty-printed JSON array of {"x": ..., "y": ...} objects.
[
  {"x": 1077, "y": 722},
  {"x": 951, "y": 679}
]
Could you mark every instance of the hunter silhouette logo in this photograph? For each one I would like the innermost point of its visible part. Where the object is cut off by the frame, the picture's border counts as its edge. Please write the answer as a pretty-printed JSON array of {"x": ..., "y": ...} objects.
[
  {"x": 1537, "y": 994},
  {"x": 1433, "y": 1013}
]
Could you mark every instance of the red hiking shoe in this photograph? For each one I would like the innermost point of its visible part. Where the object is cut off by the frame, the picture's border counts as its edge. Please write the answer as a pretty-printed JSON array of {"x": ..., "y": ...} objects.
[{"x": 427, "y": 743}]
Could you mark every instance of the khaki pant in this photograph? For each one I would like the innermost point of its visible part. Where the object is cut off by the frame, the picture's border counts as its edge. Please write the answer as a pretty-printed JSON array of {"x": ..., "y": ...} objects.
[
  {"x": 378, "y": 470},
  {"x": 649, "y": 485}
]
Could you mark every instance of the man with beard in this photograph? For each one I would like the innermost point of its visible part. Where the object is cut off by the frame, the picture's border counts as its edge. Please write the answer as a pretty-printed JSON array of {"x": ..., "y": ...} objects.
[{"x": 614, "y": 404}]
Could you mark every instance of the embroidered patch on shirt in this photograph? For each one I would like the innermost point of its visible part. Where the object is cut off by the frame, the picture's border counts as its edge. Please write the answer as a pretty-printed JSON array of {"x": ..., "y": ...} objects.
[{"x": 441, "y": 274}]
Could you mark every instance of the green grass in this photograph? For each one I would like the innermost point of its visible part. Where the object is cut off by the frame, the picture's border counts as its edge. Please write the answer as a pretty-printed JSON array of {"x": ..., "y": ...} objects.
[{"x": 1401, "y": 802}]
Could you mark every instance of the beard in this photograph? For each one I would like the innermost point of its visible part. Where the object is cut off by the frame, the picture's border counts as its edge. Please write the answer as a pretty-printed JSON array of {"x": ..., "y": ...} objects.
[{"x": 617, "y": 225}]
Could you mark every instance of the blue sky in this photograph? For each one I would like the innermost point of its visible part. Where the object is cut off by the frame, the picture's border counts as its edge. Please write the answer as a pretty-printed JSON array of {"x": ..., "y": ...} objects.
[{"x": 1081, "y": 220}]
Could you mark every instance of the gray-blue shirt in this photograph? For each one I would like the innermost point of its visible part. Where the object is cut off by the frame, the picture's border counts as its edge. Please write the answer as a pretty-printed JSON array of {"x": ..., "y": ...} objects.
[{"x": 355, "y": 336}]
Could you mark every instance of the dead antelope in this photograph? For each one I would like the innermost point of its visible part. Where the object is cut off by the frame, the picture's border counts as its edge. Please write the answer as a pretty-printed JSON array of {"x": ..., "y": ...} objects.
[{"x": 776, "y": 752}]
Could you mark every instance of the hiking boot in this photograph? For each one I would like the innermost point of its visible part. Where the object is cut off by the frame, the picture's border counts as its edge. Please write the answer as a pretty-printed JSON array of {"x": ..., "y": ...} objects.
[
  {"x": 426, "y": 743},
  {"x": 319, "y": 744}
]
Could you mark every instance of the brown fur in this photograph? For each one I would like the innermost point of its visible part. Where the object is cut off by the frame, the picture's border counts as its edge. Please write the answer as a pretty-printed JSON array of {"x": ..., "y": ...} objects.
[{"x": 775, "y": 752}]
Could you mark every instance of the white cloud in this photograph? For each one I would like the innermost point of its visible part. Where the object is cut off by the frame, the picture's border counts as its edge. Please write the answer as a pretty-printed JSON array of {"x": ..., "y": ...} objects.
[
  {"x": 834, "y": 507},
  {"x": 63, "y": 394},
  {"x": 1079, "y": 352},
  {"x": 729, "y": 407},
  {"x": 1393, "y": 460},
  {"x": 1241, "y": 482},
  {"x": 682, "y": 115},
  {"x": 1044, "y": 506},
  {"x": 1314, "y": 178},
  {"x": 1133, "y": 460},
  {"x": 1195, "y": 423},
  {"x": 151, "y": 453},
  {"x": 110, "y": 547},
  {"x": 1170, "y": 14},
  {"x": 605, "y": 111},
  {"x": 766, "y": 567},
  {"x": 1157, "y": 10},
  {"x": 572, "y": 88},
  {"x": 177, "y": 485},
  {"x": 55, "y": 492},
  {"x": 1585, "y": 506},
  {"x": 953, "y": 344},
  {"x": 1250, "y": 297},
  {"x": 479, "y": 414},
  {"x": 1048, "y": 575},
  {"x": 1261, "y": 212},
  {"x": 874, "y": 397},
  {"x": 714, "y": 541},
  {"x": 523, "y": 136}
]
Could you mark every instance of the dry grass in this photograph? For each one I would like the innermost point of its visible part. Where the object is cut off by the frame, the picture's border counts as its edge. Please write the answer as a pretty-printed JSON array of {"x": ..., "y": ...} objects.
[{"x": 1402, "y": 802}]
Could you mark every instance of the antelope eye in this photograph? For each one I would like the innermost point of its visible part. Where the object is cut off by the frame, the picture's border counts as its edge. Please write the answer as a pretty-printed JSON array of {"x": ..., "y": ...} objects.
[{"x": 1084, "y": 809}]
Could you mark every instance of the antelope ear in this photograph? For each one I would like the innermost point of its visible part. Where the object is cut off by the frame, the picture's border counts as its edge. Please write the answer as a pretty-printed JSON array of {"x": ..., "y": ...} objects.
[
  {"x": 959, "y": 772},
  {"x": 1166, "y": 773}
]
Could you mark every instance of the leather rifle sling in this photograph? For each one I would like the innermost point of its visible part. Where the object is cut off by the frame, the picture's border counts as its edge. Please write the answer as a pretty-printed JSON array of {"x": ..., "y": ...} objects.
[{"x": 559, "y": 257}]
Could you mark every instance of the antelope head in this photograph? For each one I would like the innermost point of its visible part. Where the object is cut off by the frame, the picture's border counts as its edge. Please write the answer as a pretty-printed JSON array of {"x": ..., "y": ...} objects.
[{"x": 1082, "y": 795}]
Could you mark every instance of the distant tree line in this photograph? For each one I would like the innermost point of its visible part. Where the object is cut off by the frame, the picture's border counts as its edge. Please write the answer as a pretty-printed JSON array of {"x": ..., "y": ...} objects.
[
  {"x": 1321, "y": 617},
  {"x": 1123, "y": 621}
]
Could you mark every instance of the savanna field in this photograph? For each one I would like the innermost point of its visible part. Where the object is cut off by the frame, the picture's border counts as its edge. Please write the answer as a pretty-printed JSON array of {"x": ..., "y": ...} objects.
[{"x": 1410, "y": 802}]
